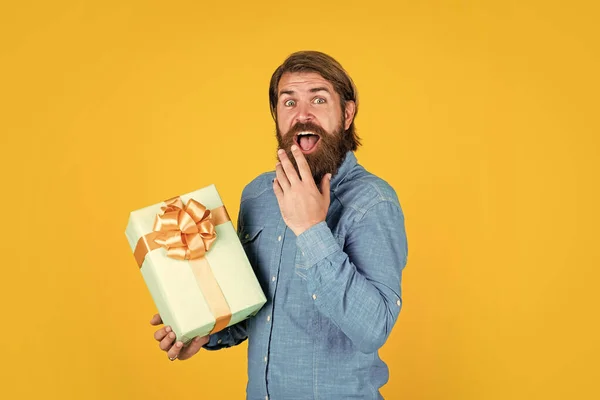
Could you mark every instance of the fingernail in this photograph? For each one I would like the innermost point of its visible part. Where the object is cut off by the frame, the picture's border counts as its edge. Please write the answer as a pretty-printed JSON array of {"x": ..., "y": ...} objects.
[
  {"x": 280, "y": 151},
  {"x": 294, "y": 147},
  {"x": 196, "y": 339},
  {"x": 179, "y": 344},
  {"x": 329, "y": 176},
  {"x": 168, "y": 329},
  {"x": 172, "y": 335}
]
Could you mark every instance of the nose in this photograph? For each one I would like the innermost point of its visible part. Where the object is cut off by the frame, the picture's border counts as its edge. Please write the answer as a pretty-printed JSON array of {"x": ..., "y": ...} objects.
[{"x": 304, "y": 115}]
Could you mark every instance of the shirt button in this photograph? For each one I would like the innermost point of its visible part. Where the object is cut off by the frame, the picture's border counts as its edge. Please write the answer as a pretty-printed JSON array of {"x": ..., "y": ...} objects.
[
  {"x": 398, "y": 303},
  {"x": 219, "y": 341},
  {"x": 274, "y": 278},
  {"x": 266, "y": 397},
  {"x": 247, "y": 235},
  {"x": 265, "y": 359},
  {"x": 279, "y": 238},
  {"x": 268, "y": 318},
  {"x": 314, "y": 296}
]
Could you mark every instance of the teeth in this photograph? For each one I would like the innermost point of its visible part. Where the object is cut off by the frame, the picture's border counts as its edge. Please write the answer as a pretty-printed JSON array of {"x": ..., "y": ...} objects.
[{"x": 305, "y": 133}]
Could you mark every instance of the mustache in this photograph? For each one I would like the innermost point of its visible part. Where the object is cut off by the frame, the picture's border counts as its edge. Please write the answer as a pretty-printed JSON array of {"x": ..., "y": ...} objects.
[{"x": 307, "y": 126}]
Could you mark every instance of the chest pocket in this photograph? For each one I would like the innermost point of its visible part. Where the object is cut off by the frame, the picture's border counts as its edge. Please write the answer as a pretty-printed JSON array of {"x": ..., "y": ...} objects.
[{"x": 250, "y": 237}]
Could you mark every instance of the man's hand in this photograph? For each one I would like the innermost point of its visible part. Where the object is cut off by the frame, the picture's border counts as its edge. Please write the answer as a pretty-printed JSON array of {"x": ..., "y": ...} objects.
[
  {"x": 300, "y": 202},
  {"x": 165, "y": 337}
]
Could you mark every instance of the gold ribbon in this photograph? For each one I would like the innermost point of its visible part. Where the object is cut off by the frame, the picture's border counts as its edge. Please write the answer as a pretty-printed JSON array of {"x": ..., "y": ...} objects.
[{"x": 187, "y": 232}]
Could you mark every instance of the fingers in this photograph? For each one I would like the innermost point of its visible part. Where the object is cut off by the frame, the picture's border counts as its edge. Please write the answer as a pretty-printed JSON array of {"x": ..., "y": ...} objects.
[
  {"x": 173, "y": 351},
  {"x": 282, "y": 179},
  {"x": 288, "y": 168},
  {"x": 162, "y": 332},
  {"x": 193, "y": 347},
  {"x": 156, "y": 320},
  {"x": 305, "y": 172},
  {"x": 167, "y": 340},
  {"x": 326, "y": 187},
  {"x": 184, "y": 352},
  {"x": 278, "y": 191}
]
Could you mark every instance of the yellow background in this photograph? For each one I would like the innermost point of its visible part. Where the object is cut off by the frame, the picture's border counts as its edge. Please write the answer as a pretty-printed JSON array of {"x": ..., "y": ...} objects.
[{"x": 482, "y": 115}]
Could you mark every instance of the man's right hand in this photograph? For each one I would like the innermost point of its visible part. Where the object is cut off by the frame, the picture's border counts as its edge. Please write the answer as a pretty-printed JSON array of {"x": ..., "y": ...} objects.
[{"x": 166, "y": 341}]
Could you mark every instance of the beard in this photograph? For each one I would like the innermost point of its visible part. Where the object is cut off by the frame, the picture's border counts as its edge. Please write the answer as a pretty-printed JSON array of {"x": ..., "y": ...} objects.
[{"x": 329, "y": 155}]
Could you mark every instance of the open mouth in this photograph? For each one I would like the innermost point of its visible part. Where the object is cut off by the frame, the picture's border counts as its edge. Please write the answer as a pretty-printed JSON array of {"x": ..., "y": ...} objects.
[{"x": 307, "y": 141}]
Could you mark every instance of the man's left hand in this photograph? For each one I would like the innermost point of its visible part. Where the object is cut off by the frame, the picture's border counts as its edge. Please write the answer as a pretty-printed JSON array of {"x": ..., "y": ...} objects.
[{"x": 300, "y": 202}]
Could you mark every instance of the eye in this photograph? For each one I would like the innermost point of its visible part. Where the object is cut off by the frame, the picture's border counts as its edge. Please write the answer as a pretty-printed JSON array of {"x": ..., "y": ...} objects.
[
  {"x": 289, "y": 103},
  {"x": 319, "y": 100}
]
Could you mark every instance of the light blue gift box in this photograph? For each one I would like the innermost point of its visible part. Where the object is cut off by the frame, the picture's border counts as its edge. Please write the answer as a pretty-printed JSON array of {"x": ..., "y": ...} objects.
[{"x": 174, "y": 287}]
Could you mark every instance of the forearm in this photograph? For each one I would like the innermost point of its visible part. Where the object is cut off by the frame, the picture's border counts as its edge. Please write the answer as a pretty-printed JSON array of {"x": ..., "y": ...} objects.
[{"x": 358, "y": 290}]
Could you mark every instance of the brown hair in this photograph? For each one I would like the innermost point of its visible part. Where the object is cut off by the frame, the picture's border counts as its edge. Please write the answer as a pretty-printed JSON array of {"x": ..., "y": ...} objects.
[{"x": 330, "y": 70}]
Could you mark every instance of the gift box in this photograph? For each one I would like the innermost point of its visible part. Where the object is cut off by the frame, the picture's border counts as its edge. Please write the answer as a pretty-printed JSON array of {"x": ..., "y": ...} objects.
[{"x": 193, "y": 264}]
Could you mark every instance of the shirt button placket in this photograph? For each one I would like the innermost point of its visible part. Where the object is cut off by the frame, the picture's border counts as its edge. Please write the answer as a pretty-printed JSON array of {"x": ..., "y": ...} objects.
[{"x": 273, "y": 280}]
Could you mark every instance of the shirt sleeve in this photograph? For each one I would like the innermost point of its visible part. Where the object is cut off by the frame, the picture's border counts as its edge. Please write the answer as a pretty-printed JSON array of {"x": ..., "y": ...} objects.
[{"x": 358, "y": 287}]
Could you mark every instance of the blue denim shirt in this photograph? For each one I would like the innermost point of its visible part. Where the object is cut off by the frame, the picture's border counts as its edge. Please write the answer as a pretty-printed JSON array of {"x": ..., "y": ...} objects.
[{"x": 333, "y": 293}]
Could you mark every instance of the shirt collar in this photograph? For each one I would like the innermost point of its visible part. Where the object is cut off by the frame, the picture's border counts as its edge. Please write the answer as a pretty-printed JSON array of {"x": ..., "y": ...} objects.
[{"x": 349, "y": 163}]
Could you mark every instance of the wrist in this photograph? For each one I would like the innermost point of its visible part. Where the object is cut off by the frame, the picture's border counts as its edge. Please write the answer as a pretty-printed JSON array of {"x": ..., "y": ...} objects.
[{"x": 300, "y": 230}]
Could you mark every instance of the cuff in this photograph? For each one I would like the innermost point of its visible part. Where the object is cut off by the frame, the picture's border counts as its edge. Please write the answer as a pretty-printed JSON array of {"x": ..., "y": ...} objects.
[
  {"x": 218, "y": 341},
  {"x": 316, "y": 244}
]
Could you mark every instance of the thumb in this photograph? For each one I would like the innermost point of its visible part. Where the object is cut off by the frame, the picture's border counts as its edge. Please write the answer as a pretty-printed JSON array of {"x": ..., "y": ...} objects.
[
  {"x": 326, "y": 186},
  {"x": 193, "y": 347}
]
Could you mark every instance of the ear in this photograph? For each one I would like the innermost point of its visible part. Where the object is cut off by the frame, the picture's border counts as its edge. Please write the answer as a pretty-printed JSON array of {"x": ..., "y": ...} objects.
[{"x": 349, "y": 114}]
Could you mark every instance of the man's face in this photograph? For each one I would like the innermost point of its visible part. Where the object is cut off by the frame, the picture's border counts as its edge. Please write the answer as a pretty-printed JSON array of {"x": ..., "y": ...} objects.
[{"x": 309, "y": 115}]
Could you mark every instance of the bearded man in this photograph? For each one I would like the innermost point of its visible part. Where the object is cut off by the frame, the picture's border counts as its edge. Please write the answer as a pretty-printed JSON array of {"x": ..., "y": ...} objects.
[{"x": 326, "y": 239}]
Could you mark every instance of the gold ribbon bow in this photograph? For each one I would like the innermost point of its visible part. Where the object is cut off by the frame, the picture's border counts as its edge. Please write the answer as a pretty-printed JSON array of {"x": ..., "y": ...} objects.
[{"x": 187, "y": 232}]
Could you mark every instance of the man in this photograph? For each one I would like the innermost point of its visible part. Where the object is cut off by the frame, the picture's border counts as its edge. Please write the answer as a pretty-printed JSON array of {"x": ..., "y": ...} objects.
[{"x": 329, "y": 257}]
